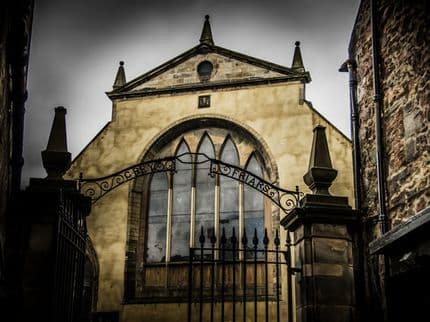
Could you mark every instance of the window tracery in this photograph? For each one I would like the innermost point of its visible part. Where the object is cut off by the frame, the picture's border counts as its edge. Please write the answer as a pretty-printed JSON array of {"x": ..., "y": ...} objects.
[{"x": 190, "y": 198}]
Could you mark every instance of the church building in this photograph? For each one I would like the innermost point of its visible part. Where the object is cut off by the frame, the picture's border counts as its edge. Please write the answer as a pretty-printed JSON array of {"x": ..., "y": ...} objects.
[{"x": 208, "y": 103}]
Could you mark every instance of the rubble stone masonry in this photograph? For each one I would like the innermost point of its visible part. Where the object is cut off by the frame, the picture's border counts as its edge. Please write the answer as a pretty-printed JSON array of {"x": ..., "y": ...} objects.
[
  {"x": 4, "y": 131},
  {"x": 404, "y": 38}
]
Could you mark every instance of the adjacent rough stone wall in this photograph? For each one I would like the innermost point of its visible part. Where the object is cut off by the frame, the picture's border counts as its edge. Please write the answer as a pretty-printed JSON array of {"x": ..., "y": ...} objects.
[
  {"x": 4, "y": 129},
  {"x": 362, "y": 49},
  {"x": 405, "y": 79},
  {"x": 405, "y": 50}
]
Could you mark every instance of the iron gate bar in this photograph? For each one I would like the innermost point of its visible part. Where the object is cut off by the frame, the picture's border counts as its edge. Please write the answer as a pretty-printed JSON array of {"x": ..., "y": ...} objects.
[
  {"x": 213, "y": 276},
  {"x": 266, "y": 272},
  {"x": 255, "y": 241},
  {"x": 244, "y": 245},
  {"x": 289, "y": 277},
  {"x": 233, "y": 242},
  {"x": 95, "y": 188},
  {"x": 223, "y": 241},
  {"x": 69, "y": 259},
  {"x": 277, "y": 242},
  {"x": 207, "y": 262},
  {"x": 202, "y": 243}
]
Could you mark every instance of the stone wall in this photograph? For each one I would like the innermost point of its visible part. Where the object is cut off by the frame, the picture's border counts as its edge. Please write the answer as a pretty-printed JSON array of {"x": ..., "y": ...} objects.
[
  {"x": 271, "y": 112},
  {"x": 405, "y": 60},
  {"x": 4, "y": 129},
  {"x": 224, "y": 69},
  {"x": 404, "y": 73}
]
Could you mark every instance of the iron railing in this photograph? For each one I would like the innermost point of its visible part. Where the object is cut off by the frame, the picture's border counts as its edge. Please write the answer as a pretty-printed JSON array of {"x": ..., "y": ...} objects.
[
  {"x": 69, "y": 259},
  {"x": 234, "y": 280}
]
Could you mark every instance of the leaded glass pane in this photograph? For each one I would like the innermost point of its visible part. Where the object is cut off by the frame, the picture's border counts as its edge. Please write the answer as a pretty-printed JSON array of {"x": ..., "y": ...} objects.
[
  {"x": 181, "y": 209},
  {"x": 254, "y": 204},
  {"x": 157, "y": 219},
  {"x": 205, "y": 191},
  {"x": 229, "y": 194}
]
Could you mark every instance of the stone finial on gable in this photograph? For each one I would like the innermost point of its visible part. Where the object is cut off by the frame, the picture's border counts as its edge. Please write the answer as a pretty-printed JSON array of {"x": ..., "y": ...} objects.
[
  {"x": 120, "y": 76},
  {"x": 206, "y": 37},
  {"x": 297, "y": 64},
  {"x": 320, "y": 173},
  {"x": 56, "y": 159}
]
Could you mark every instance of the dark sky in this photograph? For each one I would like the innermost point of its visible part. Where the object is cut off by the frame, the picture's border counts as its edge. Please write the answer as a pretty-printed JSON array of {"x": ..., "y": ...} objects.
[{"x": 76, "y": 47}]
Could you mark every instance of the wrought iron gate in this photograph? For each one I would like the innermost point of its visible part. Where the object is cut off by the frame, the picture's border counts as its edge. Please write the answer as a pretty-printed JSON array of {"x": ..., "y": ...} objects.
[
  {"x": 227, "y": 276},
  {"x": 70, "y": 258},
  {"x": 234, "y": 280}
]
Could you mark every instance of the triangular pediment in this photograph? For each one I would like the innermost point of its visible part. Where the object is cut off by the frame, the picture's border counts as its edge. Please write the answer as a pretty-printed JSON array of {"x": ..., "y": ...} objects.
[{"x": 228, "y": 68}]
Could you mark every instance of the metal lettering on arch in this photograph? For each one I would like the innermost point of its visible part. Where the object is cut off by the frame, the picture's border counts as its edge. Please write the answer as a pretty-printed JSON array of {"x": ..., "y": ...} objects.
[
  {"x": 96, "y": 188},
  {"x": 285, "y": 199}
]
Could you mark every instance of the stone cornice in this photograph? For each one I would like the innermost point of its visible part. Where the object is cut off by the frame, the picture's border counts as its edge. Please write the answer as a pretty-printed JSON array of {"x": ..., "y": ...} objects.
[{"x": 203, "y": 86}]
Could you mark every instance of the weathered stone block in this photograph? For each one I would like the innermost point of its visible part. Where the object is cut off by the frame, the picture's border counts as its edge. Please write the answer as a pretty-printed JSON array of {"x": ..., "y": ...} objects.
[
  {"x": 329, "y": 230},
  {"x": 332, "y": 251}
]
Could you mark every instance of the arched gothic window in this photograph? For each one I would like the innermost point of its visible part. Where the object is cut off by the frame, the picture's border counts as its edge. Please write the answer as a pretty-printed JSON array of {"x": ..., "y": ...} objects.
[
  {"x": 181, "y": 203},
  {"x": 253, "y": 202},
  {"x": 157, "y": 219},
  {"x": 229, "y": 193},
  {"x": 204, "y": 190},
  {"x": 181, "y": 206}
]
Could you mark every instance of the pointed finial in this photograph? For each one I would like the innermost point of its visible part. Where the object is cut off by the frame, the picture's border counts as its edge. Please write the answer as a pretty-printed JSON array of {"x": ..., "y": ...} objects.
[
  {"x": 206, "y": 37},
  {"x": 297, "y": 59},
  {"x": 255, "y": 238},
  {"x": 233, "y": 237},
  {"x": 320, "y": 173},
  {"x": 202, "y": 236},
  {"x": 276, "y": 241},
  {"x": 120, "y": 76},
  {"x": 56, "y": 159},
  {"x": 213, "y": 238},
  {"x": 244, "y": 239},
  {"x": 265, "y": 238}
]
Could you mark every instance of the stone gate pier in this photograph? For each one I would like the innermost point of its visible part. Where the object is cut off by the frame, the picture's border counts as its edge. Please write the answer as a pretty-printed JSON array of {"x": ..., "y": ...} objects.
[{"x": 323, "y": 236}]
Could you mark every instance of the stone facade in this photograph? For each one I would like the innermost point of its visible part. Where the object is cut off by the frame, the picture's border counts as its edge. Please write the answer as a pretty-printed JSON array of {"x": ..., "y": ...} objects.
[
  {"x": 403, "y": 29},
  {"x": 263, "y": 101},
  {"x": 15, "y": 31},
  {"x": 405, "y": 58},
  {"x": 5, "y": 105}
]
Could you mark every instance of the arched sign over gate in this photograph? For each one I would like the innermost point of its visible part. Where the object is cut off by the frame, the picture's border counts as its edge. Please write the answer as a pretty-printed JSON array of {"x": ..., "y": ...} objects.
[{"x": 98, "y": 187}]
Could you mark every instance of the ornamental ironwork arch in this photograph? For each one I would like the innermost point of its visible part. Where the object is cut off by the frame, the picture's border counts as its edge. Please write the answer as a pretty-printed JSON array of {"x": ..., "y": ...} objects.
[{"x": 98, "y": 187}]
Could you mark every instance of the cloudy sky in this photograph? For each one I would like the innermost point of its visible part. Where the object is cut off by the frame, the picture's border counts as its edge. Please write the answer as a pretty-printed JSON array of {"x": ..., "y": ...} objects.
[{"x": 76, "y": 47}]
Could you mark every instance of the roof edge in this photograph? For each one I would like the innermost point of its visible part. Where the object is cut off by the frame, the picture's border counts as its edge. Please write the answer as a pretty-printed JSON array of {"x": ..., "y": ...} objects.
[
  {"x": 310, "y": 105},
  {"x": 91, "y": 141},
  {"x": 205, "y": 48}
]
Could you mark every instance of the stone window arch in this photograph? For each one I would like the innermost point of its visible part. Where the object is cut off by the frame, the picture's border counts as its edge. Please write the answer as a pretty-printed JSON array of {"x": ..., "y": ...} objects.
[{"x": 192, "y": 200}]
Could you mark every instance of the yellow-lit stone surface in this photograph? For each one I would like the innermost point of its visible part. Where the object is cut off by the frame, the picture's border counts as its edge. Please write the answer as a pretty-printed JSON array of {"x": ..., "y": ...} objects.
[
  {"x": 224, "y": 69},
  {"x": 270, "y": 112}
]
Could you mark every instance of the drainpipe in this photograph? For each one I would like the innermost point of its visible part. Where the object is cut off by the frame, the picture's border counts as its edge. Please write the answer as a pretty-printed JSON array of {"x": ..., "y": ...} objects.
[
  {"x": 377, "y": 99},
  {"x": 350, "y": 66},
  {"x": 19, "y": 40},
  {"x": 380, "y": 167}
]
